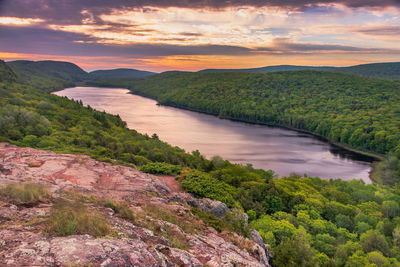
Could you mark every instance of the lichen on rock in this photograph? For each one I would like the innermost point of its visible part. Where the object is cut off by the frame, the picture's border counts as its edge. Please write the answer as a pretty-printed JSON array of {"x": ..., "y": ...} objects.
[{"x": 161, "y": 231}]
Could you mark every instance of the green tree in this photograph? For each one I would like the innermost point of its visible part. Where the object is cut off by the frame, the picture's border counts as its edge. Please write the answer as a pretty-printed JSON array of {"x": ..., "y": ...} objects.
[{"x": 372, "y": 240}]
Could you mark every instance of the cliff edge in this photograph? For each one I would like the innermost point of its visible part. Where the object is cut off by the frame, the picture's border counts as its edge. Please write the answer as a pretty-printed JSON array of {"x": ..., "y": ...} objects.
[{"x": 118, "y": 216}]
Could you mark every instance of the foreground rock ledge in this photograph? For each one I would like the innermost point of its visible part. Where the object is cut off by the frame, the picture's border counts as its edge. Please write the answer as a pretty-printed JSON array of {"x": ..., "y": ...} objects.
[{"x": 22, "y": 242}]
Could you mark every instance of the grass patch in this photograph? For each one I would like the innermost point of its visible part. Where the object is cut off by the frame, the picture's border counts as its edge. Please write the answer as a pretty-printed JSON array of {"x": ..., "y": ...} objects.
[
  {"x": 177, "y": 239},
  {"x": 188, "y": 223},
  {"x": 174, "y": 236},
  {"x": 73, "y": 218},
  {"x": 28, "y": 194},
  {"x": 120, "y": 208}
]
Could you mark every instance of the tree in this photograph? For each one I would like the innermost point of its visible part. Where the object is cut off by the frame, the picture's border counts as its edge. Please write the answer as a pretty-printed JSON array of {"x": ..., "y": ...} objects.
[
  {"x": 376, "y": 257},
  {"x": 391, "y": 208},
  {"x": 344, "y": 222},
  {"x": 296, "y": 251},
  {"x": 362, "y": 227},
  {"x": 357, "y": 260},
  {"x": 372, "y": 240}
]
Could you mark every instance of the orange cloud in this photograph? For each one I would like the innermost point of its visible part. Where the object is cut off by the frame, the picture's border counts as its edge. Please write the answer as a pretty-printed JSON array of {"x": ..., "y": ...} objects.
[{"x": 18, "y": 21}]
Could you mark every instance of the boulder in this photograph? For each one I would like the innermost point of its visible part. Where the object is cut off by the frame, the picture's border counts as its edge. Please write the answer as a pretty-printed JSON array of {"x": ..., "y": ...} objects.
[{"x": 215, "y": 207}]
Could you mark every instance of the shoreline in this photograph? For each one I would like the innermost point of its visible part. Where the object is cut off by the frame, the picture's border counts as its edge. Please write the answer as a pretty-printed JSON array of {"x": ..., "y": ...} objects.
[
  {"x": 374, "y": 158},
  {"x": 371, "y": 157}
]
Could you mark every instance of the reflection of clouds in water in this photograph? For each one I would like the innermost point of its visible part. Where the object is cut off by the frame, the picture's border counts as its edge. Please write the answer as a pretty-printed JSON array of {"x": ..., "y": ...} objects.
[{"x": 284, "y": 151}]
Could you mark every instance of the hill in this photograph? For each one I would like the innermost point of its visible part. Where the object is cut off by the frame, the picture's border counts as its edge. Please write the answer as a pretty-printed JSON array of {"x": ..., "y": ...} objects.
[
  {"x": 347, "y": 109},
  {"x": 6, "y": 74},
  {"x": 265, "y": 69},
  {"x": 48, "y": 75},
  {"x": 120, "y": 73},
  {"x": 307, "y": 221},
  {"x": 390, "y": 71}
]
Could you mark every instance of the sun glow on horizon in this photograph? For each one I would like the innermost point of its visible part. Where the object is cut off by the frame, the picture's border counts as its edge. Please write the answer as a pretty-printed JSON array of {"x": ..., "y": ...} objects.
[{"x": 161, "y": 38}]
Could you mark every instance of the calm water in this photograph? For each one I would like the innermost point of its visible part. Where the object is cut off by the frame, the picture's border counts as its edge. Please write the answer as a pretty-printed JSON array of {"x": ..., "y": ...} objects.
[{"x": 281, "y": 150}]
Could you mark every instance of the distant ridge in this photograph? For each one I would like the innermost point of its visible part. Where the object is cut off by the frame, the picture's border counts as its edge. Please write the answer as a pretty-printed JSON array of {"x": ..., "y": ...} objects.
[
  {"x": 265, "y": 69},
  {"x": 59, "y": 69},
  {"x": 121, "y": 73},
  {"x": 48, "y": 75},
  {"x": 389, "y": 70}
]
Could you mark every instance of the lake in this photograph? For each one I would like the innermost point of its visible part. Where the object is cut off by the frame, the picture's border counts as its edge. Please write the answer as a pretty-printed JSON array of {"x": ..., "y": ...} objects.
[{"x": 284, "y": 151}]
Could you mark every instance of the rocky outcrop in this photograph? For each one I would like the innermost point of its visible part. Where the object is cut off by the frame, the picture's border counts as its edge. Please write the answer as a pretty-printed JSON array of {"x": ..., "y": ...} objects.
[
  {"x": 215, "y": 207},
  {"x": 144, "y": 241},
  {"x": 256, "y": 237}
]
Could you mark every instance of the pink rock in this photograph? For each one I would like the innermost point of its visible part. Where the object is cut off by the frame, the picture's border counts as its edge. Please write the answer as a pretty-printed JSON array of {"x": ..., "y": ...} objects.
[{"x": 22, "y": 245}]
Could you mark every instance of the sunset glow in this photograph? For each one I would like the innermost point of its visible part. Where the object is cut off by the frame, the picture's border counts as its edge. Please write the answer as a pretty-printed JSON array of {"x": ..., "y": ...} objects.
[{"x": 158, "y": 36}]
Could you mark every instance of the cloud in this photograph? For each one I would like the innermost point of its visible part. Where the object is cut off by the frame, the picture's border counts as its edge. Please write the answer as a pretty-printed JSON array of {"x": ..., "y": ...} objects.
[
  {"x": 73, "y": 10},
  {"x": 287, "y": 46},
  {"x": 380, "y": 30},
  {"x": 47, "y": 41},
  {"x": 201, "y": 31}
]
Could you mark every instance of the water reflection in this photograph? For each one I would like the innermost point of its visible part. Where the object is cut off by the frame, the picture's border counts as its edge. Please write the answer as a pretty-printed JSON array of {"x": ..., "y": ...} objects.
[{"x": 284, "y": 151}]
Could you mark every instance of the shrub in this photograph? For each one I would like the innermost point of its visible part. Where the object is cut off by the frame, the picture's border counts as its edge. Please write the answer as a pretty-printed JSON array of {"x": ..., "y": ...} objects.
[
  {"x": 204, "y": 185},
  {"x": 252, "y": 215},
  {"x": 73, "y": 218},
  {"x": 25, "y": 193},
  {"x": 210, "y": 219},
  {"x": 236, "y": 222},
  {"x": 233, "y": 221},
  {"x": 161, "y": 168}
]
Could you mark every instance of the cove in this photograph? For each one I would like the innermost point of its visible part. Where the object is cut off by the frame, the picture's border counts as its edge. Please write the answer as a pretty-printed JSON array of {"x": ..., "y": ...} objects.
[{"x": 282, "y": 150}]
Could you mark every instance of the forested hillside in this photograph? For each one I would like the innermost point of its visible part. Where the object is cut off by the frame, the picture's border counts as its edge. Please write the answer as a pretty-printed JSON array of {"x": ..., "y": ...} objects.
[
  {"x": 306, "y": 221},
  {"x": 266, "y": 69},
  {"x": 48, "y": 75},
  {"x": 6, "y": 74},
  {"x": 360, "y": 112},
  {"x": 390, "y": 71}
]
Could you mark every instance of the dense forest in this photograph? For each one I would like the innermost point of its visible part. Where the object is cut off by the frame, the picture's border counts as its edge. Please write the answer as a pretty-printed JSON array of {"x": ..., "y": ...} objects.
[
  {"x": 307, "y": 221},
  {"x": 48, "y": 75},
  {"x": 390, "y": 71},
  {"x": 360, "y": 112}
]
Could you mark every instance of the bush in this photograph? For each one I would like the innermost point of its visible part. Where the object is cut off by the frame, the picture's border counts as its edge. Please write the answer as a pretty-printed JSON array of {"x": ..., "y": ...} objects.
[
  {"x": 233, "y": 221},
  {"x": 161, "y": 168},
  {"x": 204, "y": 185},
  {"x": 210, "y": 219},
  {"x": 25, "y": 193},
  {"x": 252, "y": 215},
  {"x": 73, "y": 218}
]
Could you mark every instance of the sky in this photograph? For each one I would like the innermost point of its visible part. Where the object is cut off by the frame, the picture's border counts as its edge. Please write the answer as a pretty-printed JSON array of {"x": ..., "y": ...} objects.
[{"x": 160, "y": 35}]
